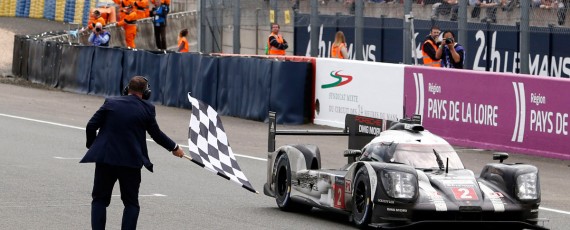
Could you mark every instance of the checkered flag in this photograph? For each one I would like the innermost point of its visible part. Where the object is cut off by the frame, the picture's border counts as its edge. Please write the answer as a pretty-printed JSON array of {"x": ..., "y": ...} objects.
[{"x": 209, "y": 146}]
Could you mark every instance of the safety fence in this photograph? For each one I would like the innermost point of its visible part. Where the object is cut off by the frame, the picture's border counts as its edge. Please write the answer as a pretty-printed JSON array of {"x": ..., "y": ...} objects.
[{"x": 245, "y": 87}]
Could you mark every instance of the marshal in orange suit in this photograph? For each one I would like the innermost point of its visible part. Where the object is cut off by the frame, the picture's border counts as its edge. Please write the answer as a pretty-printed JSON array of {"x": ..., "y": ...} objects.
[{"x": 129, "y": 23}]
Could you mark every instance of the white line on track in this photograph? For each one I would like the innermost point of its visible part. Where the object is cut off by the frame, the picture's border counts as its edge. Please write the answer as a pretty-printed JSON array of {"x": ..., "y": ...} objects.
[
  {"x": 81, "y": 128},
  {"x": 554, "y": 210},
  {"x": 67, "y": 158},
  {"x": 151, "y": 195},
  {"x": 185, "y": 146}
]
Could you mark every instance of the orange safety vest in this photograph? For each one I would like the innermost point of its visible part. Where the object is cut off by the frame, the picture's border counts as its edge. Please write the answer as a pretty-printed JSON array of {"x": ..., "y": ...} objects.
[
  {"x": 122, "y": 4},
  {"x": 336, "y": 48},
  {"x": 273, "y": 50},
  {"x": 141, "y": 7},
  {"x": 186, "y": 47},
  {"x": 427, "y": 60}
]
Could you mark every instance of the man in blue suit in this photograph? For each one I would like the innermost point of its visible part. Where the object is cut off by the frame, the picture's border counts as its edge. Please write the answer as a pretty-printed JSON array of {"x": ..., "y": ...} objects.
[{"x": 120, "y": 151}]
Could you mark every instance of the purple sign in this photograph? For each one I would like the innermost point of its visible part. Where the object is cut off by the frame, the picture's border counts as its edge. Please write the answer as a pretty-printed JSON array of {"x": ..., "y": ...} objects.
[{"x": 498, "y": 111}]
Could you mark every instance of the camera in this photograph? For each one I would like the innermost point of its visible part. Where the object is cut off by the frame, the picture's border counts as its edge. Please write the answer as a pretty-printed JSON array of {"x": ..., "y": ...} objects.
[
  {"x": 448, "y": 41},
  {"x": 98, "y": 30}
]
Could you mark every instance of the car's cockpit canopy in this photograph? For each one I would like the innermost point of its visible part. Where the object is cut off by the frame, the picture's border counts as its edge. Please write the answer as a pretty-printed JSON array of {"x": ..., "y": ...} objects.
[{"x": 417, "y": 155}]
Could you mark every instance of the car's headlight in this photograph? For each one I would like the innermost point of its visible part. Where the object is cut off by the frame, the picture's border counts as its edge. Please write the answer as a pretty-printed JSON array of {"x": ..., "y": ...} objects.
[
  {"x": 527, "y": 186},
  {"x": 399, "y": 185}
]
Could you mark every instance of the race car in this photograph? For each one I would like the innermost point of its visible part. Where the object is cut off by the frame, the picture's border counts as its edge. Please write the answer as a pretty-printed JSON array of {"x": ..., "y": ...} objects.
[{"x": 401, "y": 176}]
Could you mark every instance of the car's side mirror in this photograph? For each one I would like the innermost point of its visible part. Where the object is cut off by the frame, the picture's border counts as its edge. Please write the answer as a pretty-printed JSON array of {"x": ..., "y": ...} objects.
[
  {"x": 352, "y": 154},
  {"x": 500, "y": 156}
]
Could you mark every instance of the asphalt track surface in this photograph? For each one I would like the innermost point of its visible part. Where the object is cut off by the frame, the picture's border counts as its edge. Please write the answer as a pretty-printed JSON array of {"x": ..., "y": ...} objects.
[{"x": 42, "y": 185}]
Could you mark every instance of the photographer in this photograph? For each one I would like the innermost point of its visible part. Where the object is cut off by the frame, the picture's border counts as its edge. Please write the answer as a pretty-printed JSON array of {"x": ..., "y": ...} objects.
[
  {"x": 450, "y": 52},
  {"x": 99, "y": 36}
]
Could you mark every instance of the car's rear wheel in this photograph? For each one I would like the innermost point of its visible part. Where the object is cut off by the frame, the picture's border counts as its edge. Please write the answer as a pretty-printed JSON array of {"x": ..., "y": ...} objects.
[
  {"x": 282, "y": 187},
  {"x": 361, "y": 203}
]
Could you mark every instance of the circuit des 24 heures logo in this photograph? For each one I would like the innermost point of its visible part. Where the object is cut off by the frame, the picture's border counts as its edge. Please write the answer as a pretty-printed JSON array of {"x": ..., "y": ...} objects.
[{"x": 341, "y": 79}]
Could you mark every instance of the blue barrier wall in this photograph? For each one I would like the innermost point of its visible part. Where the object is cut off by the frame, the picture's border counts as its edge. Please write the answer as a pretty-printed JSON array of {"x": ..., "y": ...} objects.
[
  {"x": 236, "y": 86},
  {"x": 106, "y": 76}
]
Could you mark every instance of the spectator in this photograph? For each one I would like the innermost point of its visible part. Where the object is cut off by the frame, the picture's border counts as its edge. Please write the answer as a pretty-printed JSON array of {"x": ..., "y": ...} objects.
[
  {"x": 142, "y": 8},
  {"x": 445, "y": 7},
  {"x": 122, "y": 4},
  {"x": 95, "y": 18},
  {"x": 561, "y": 13},
  {"x": 491, "y": 10},
  {"x": 99, "y": 36},
  {"x": 129, "y": 24},
  {"x": 338, "y": 49},
  {"x": 429, "y": 48},
  {"x": 451, "y": 53},
  {"x": 183, "y": 46},
  {"x": 276, "y": 44},
  {"x": 158, "y": 15}
]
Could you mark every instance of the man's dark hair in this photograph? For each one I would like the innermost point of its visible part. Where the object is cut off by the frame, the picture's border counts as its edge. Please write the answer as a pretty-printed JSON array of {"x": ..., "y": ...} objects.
[
  {"x": 184, "y": 32},
  {"x": 449, "y": 31},
  {"x": 278, "y": 26},
  {"x": 138, "y": 84},
  {"x": 434, "y": 27}
]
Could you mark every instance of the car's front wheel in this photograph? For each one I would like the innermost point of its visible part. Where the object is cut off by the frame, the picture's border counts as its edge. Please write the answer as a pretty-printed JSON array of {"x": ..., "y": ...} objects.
[
  {"x": 282, "y": 186},
  {"x": 361, "y": 203}
]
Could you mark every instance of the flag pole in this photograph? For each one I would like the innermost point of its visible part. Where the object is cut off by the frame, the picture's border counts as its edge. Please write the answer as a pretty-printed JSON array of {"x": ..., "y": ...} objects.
[{"x": 187, "y": 157}]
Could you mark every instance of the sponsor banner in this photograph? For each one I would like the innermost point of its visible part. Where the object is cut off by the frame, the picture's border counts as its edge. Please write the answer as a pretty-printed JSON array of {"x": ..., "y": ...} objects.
[
  {"x": 504, "y": 112},
  {"x": 356, "y": 87}
]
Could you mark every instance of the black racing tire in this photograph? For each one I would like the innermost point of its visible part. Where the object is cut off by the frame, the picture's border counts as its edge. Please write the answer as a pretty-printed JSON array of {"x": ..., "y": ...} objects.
[
  {"x": 282, "y": 186},
  {"x": 361, "y": 202}
]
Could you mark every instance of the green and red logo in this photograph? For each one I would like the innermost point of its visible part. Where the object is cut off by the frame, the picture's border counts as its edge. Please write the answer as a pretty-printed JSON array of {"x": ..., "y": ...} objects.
[{"x": 339, "y": 78}]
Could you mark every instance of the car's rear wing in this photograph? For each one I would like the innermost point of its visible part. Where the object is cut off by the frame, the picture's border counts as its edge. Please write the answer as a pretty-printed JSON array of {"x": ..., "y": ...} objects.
[{"x": 359, "y": 129}]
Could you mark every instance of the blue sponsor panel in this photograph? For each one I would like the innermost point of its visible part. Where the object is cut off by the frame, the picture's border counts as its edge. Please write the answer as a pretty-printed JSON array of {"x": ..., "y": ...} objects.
[
  {"x": 74, "y": 75},
  {"x": 27, "y": 8},
  {"x": 50, "y": 63},
  {"x": 178, "y": 79},
  {"x": 383, "y": 42},
  {"x": 237, "y": 79},
  {"x": 560, "y": 59},
  {"x": 37, "y": 48},
  {"x": 49, "y": 9},
  {"x": 288, "y": 91},
  {"x": 372, "y": 39},
  {"x": 205, "y": 80},
  {"x": 147, "y": 64},
  {"x": 86, "y": 9},
  {"x": 21, "y": 8},
  {"x": 503, "y": 46},
  {"x": 106, "y": 72},
  {"x": 69, "y": 12}
]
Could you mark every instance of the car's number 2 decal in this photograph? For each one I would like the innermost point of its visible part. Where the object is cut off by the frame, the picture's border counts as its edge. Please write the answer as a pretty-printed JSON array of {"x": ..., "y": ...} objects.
[
  {"x": 464, "y": 193},
  {"x": 338, "y": 191}
]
